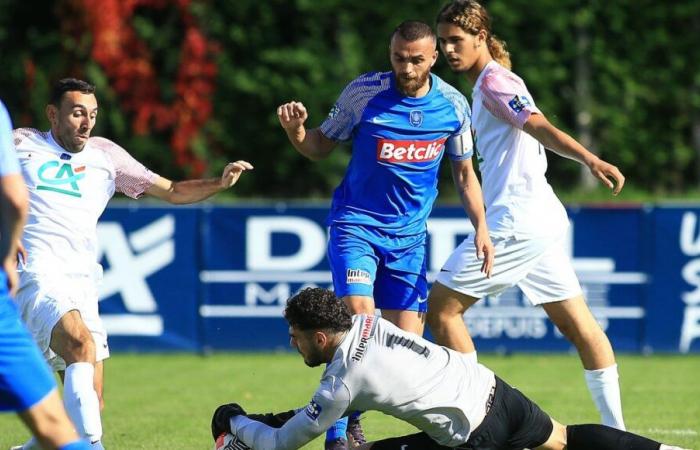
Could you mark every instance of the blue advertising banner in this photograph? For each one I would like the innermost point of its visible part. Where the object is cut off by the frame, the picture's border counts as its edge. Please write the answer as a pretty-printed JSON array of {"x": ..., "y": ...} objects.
[
  {"x": 674, "y": 294},
  {"x": 218, "y": 277},
  {"x": 253, "y": 260},
  {"x": 149, "y": 294}
]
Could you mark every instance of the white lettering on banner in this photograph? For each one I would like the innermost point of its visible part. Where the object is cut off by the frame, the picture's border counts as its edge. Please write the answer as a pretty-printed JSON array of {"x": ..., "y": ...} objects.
[
  {"x": 153, "y": 248},
  {"x": 269, "y": 280},
  {"x": 259, "y": 231},
  {"x": 259, "y": 302},
  {"x": 255, "y": 294},
  {"x": 690, "y": 246}
]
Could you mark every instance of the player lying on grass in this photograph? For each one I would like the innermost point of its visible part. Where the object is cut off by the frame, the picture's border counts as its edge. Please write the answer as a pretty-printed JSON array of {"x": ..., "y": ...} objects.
[{"x": 374, "y": 365}]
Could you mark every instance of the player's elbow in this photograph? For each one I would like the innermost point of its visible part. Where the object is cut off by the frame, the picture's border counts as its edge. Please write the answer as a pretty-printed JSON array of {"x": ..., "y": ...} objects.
[{"x": 15, "y": 204}]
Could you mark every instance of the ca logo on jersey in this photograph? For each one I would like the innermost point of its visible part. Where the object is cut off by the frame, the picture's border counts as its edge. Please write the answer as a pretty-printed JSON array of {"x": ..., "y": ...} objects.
[{"x": 63, "y": 179}]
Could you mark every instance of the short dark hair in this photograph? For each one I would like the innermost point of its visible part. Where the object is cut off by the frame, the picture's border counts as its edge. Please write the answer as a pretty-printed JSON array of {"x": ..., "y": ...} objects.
[
  {"x": 317, "y": 309},
  {"x": 413, "y": 30},
  {"x": 69, "y": 85}
]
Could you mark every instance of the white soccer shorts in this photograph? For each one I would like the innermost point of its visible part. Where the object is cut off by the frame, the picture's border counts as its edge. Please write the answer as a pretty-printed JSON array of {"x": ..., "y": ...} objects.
[
  {"x": 540, "y": 267},
  {"x": 43, "y": 299}
]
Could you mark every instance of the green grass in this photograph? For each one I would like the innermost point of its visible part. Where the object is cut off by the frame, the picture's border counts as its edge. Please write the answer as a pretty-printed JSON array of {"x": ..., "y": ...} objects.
[{"x": 165, "y": 401}]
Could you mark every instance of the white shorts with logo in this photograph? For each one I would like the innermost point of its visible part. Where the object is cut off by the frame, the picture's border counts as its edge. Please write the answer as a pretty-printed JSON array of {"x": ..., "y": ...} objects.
[
  {"x": 43, "y": 299},
  {"x": 540, "y": 267}
]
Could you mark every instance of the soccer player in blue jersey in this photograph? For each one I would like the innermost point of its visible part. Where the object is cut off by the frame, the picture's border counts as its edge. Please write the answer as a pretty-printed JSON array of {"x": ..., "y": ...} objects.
[
  {"x": 400, "y": 124},
  {"x": 26, "y": 384}
]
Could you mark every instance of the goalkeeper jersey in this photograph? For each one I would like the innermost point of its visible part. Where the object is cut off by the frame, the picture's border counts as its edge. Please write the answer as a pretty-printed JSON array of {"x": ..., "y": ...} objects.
[
  {"x": 67, "y": 194},
  {"x": 397, "y": 145},
  {"x": 380, "y": 367}
]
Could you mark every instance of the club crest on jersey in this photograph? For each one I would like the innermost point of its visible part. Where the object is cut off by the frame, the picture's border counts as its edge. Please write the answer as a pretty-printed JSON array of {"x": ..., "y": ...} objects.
[
  {"x": 334, "y": 111},
  {"x": 415, "y": 117},
  {"x": 358, "y": 276},
  {"x": 63, "y": 179},
  {"x": 518, "y": 103},
  {"x": 313, "y": 410}
]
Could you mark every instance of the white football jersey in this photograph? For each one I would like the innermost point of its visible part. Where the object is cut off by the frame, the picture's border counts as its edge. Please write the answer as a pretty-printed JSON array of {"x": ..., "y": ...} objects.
[
  {"x": 519, "y": 201},
  {"x": 67, "y": 194},
  {"x": 379, "y": 367}
]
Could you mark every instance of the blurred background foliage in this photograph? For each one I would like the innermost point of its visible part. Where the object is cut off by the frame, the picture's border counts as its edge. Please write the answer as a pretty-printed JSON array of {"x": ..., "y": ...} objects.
[{"x": 185, "y": 85}]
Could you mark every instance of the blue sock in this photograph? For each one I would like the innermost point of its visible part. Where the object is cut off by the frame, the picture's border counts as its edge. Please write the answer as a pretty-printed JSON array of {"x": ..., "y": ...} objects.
[
  {"x": 76, "y": 445},
  {"x": 338, "y": 430},
  {"x": 355, "y": 415}
]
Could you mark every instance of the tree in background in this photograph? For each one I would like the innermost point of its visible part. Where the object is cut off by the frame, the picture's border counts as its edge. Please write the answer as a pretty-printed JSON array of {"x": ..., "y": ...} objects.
[{"x": 188, "y": 84}]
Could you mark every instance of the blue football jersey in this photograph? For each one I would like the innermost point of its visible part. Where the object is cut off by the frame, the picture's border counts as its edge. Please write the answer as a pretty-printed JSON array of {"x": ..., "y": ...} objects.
[{"x": 397, "y": 145}]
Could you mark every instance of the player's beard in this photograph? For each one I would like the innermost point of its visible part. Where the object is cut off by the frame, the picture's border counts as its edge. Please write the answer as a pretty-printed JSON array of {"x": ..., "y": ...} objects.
[
  {"x": 410, "y": 86},
  {"x": 313, "y": 358}
]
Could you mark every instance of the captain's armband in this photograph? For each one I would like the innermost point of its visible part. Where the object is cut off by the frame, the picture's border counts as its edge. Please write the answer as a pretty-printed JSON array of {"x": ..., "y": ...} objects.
[{"x": 460, "y": 146}]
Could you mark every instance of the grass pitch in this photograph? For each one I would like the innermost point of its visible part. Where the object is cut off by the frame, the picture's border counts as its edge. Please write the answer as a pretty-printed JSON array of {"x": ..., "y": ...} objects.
[{"x": 165, "y": 401}]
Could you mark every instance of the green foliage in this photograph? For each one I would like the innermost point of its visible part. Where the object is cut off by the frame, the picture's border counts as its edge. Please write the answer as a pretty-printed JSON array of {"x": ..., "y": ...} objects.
[{"x": 644, "y": 79}]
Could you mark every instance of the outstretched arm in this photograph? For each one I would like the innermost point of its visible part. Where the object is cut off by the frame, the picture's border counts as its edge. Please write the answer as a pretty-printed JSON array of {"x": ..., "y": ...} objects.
[
  {"x": 297, "y": 428},
  {"x": 310, "y": 143},
  {"x": 469, "y": 191},
  {"x": 553, "y": 138},
  {"x": 193, "y": 191}
]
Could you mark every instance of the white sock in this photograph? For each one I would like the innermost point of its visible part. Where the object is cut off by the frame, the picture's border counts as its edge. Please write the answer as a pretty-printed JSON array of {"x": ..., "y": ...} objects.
[
  {"x": 605, "y": 390},
  {"x": 80, "y": 399},
  {"x": 471, "y": 357}
]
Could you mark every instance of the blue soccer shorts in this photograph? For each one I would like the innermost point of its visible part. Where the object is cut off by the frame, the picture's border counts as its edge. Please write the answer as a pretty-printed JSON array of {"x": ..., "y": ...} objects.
[
  {"x": 25, "y": 378},
  {"x": 392, "y": 270}
]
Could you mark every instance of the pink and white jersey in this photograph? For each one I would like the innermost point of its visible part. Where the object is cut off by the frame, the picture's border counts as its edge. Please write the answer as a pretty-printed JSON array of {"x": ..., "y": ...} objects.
[
  {"x": 67, "y": 194},
  {"x": 519, "y": 201}
]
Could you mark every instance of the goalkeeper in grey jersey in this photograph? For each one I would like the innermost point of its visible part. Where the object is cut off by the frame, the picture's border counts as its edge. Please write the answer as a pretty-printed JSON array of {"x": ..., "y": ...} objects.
[{"x": 374, "y": 365}]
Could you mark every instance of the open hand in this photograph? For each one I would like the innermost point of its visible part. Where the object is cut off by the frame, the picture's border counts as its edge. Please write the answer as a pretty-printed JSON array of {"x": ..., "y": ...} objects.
[{"x": 233, "y": 171}]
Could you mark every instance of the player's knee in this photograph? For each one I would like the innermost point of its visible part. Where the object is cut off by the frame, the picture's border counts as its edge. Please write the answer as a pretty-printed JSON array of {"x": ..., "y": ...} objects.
[
  {"x": 49, "y": 422},
  {"x": 48, "y": 426},
  {"x": 439, "y": 323},
  {"x": 439, "y": 313},
  {"x": 79, "y": 348},
  {"x": 434, "y": 320}
]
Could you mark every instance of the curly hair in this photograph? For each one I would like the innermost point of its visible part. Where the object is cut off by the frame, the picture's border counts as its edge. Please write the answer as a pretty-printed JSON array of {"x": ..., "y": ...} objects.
[
  {"x": 68, "y": 85},
  {"x": 317, "y": 309},
  {"x": 472, "y": 17}
]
